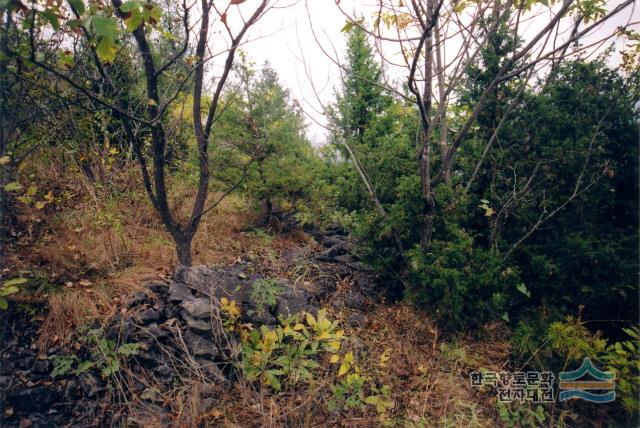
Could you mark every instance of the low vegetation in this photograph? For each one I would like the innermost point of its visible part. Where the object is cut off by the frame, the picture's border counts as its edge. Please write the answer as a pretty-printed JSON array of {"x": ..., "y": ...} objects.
[{"x": 494, "y": 200}]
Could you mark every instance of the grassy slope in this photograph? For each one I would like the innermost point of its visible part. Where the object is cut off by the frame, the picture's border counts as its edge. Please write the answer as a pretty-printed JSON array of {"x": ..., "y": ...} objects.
[{"x": 88, "y": 252}]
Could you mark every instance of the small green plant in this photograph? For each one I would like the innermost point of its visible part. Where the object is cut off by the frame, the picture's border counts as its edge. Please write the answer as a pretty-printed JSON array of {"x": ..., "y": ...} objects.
[
  {"x": 288, "y": 353},
  {"x": 262, "y": 236},
  {"x": 8, "y": 288},
  {"x": 381, "y": 399},
  {"x": 622, "y": 359},
  {"x": 232, "y": 312},
  {"x": 350, "y": 392},
  {"x": 265, "y": 292},
  {"x": 574, "y": 341},
  {"x": 521, "y": 415},
  {"x": 106, "y": 356}
]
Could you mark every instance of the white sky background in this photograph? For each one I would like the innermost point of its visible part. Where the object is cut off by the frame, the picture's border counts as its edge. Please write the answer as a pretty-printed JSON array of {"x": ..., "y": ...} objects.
[{"x": 284, "y": 37}]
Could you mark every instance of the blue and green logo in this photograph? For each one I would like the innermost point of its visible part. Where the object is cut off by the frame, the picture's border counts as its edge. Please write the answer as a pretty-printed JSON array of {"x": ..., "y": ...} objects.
[{"x": 597, "y": 387}]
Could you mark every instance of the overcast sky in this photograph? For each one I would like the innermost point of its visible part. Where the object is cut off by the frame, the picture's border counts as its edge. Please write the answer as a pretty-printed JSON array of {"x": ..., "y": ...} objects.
[{"x": 284, "y": 38}]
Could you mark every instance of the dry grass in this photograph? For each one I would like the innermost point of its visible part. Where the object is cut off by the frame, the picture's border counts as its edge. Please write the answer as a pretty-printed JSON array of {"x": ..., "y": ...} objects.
[
  {"x": 97, "y": 243},
  {"x": 98, "y": 248},
  {"x": 428, "y": 378}
]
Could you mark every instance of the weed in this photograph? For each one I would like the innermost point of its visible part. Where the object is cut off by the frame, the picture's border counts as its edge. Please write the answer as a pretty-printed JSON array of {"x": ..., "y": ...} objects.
[
  {"x": 8, "y": 288},
  {"x": 521, "y": 415},
  {"x": 288, "y": 352},
  {"x": 265, "y": 292},
  {"x": 106, "y": 356}
]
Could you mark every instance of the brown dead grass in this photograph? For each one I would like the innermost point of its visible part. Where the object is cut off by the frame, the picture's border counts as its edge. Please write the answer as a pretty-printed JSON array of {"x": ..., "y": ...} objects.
[
  {"x": 100, "y": 247},
  {"x": 428, "y": 377},
  {"x": 101, "y": 242}
]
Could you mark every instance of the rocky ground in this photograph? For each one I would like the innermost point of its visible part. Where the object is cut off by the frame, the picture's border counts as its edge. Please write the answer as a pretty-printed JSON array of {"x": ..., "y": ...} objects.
[{"x": 177, "y": 331}]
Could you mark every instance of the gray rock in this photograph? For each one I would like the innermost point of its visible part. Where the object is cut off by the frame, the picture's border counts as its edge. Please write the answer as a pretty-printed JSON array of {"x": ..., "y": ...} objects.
[
  {"x": 165, "y": 372},
  {"x": 25, "y": 363},
  {"x": 357, "y": 319},
  {"x": 155, "y": 331},
  {"x": 195, "y": 275},
  {"x": 197, "y": 325},
  {"x": 179, "y": 292},
  {"x": 355, "y": 300},
  {"x": 148, "y": 316},
  {"x": 90, "y": 384},
  {"x": 6, "y": 367},
  {"x": 138, "y": 298},
  {"x": 35, "y": 420},
  {"x": 158, "y": 287},
  {"x": 37, "y": 399},
  {"x": 332, "y": 241},
  {"x": 212, "y": 370},
  {"x": 200, "y": 346},
  {"x": 292, "y": 301},
  {"x": 41, "y": 367},
  {"x": 198, "y": 308},
  {"x": 336, "y": 250}
]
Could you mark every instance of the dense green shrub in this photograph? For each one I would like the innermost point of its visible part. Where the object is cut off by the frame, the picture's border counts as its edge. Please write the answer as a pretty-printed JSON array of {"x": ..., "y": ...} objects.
[{"x": 461, "y": 284}]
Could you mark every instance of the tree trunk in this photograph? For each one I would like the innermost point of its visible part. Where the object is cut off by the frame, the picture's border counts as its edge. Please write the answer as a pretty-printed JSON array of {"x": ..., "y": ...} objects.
[{"x": 183, "y": 249}]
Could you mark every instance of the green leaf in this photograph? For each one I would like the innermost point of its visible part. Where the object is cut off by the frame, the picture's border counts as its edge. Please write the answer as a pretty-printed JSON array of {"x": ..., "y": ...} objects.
[
  {"x": 13, "y": 186},
  {"x": 15, "y": 281},
  {"x": 4, "y": 305},
  {"x": 83, "y": 367},
  {"x": 133, "y": 21},
  {"x": 106, "y": 50},
  {"x": 129, "y": 349},
  {"x": 523, "y": 289},
  {"x": 131, "y": 5},
  {"x": 51, "y": 17},
  {"x": 347, "y": 27},
  {"x": 7, "y": 291},
  {"x": 78, "y": 5},
  {"x": 104, "y": 27},
  {"x": 152, "y": 14}
]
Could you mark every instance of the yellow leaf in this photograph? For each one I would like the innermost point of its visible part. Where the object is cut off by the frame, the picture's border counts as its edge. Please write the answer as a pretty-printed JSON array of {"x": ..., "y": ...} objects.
[
  {"x": 323, "y": 335},
  {"x": 333, "y": 346},
  {"x": 385, "y": 357},
  {"x": 334, "y": 359},
  {"x": 348, "y": 358},
  {"x": 5, "y": 160},
  {"x": 298, "y": 327},
  {"x": 224, "y": 301},
  {"x": 343, "y": 369},
  {"x": 489, "y": 212},
  {"x": 311, "y": 320}
]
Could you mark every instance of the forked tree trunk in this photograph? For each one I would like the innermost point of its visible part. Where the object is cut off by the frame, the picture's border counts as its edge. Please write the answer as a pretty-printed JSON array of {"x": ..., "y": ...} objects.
[{"x": 183, "y": 249}]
